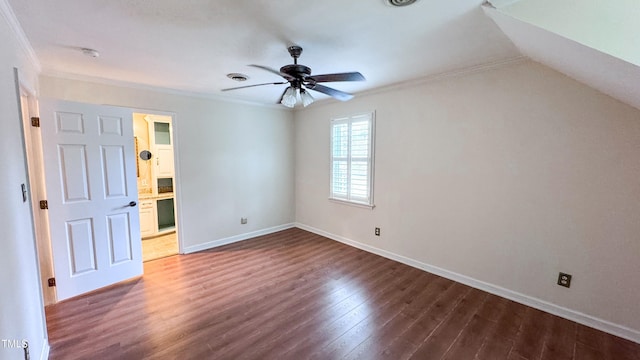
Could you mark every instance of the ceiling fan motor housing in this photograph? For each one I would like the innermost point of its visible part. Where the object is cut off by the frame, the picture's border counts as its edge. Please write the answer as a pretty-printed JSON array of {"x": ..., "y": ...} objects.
[{"x": 295, "y": 70}]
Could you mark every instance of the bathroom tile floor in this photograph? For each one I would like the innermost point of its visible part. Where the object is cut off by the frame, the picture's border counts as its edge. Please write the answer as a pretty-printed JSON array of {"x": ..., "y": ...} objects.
[{"x": 159, "y": 246}]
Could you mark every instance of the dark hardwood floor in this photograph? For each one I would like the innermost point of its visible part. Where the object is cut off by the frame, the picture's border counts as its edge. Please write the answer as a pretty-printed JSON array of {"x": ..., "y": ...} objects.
[{"x": 297, "y": 295}]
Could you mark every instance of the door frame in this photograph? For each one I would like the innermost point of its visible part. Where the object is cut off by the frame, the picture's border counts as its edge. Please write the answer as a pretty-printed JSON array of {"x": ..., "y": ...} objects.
[
  {"x": 37, "y": 191},
  {"x": 24, "y": 90},
  {"x": 177, "y": 190}
]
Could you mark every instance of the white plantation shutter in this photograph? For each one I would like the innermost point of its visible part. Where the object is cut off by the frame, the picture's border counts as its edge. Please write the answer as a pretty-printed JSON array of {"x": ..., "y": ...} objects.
[{"x": 352, "y": 159}]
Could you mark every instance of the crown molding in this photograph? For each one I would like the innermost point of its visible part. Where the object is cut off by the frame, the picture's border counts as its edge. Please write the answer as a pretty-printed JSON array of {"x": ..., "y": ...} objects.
[
  {"x": 159, "y": 89},
  {"x": 456, "y": 73},
  {"x": 10, "y": 17},
  {"x": 470, "y": 70}
]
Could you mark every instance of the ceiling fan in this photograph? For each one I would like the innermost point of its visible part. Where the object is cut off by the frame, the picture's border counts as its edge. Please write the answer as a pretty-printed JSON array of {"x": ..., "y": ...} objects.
[{"x": 300, "y": 80}]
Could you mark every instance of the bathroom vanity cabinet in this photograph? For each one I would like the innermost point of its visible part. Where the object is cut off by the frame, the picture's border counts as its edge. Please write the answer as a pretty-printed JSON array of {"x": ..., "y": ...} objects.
[{"x": 157, "y": 215}]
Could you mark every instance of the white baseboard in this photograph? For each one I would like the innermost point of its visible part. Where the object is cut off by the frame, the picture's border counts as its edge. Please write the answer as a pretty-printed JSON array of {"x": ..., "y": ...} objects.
[
  {"x": 236, "y": 238},
  {"x": 584, "y": 319},
  {"x": 44, "y": 354}
]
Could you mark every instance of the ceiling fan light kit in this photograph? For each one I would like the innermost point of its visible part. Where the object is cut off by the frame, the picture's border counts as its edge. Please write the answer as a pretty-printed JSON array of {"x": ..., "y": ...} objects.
[
  {"x": 300, "y": 80},
  {"x": 289, "y": 98},
  {"x": 306, "y": 98}
]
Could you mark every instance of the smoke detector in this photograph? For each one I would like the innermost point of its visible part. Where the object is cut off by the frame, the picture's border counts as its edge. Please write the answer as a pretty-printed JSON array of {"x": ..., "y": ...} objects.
[
  {"x": 237, "y": 77},
  {"x": 399, "y": 3}
]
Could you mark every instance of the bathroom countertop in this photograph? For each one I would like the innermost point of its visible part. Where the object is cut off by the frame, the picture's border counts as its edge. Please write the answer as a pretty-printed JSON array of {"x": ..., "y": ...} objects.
[{"x": 152, "y": 196}]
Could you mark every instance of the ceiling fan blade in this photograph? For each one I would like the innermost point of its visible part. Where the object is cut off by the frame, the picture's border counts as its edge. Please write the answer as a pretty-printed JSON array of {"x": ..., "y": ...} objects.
[
  {"x": 274, "y": 71},
  {"x": 348, "y": 76},
  {"x": 248, "y": 86},
  {"x": 337, "y": 94}
]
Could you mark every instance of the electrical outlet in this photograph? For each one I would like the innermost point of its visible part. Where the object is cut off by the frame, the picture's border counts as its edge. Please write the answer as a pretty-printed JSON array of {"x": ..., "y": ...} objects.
[
  {"x": 564, "y": 280},
  {"x": 243, "y": 221},
  {"x": 377, "y": 232}
]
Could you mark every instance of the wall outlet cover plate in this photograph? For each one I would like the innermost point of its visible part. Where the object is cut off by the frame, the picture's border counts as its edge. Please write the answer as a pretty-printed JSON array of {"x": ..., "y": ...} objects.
[{"x": 564, "y": 280}]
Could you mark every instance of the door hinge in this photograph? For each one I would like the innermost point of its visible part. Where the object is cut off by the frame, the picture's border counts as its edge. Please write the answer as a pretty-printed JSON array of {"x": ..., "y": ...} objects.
[
  {"x": 35, "y": 121},
  {"x": 44, "y": 204},
  {"x": 51, "y": 282}
]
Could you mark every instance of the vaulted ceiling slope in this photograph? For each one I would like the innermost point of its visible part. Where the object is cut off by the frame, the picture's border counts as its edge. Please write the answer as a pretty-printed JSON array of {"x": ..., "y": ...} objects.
[
  {"x": 191, "y": 45},
  {"x": 595, "y": 42}
]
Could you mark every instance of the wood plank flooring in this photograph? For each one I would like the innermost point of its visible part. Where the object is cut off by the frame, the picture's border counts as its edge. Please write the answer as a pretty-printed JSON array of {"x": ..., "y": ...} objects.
[{"x": 297, "y": 295}]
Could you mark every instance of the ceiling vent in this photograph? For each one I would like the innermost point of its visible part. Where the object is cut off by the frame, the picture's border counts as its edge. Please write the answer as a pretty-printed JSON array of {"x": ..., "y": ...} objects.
[
  {"x": 399, "y": 3},
  {"x": 237, "y": 77},
  {"x": 90, "y": 52}
]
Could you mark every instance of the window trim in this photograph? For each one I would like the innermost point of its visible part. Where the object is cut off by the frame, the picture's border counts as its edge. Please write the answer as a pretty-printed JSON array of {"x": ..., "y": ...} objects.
[{"x": 371, "y": 173}]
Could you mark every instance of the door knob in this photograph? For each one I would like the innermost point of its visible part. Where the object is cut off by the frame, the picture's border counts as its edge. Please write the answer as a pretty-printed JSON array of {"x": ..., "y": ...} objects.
[{"x": 133, "y": 203}]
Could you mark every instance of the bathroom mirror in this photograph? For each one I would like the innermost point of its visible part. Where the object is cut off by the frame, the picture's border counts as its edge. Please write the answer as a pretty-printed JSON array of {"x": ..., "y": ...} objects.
[{"x": 145, "y": 155}]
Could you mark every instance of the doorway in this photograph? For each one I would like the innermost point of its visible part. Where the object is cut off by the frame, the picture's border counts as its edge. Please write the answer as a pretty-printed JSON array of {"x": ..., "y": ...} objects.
[{"x": 155, "y": 167}]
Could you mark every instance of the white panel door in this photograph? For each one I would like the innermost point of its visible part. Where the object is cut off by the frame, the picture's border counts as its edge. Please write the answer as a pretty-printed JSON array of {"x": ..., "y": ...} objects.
[{"x": 92, "y": 192}]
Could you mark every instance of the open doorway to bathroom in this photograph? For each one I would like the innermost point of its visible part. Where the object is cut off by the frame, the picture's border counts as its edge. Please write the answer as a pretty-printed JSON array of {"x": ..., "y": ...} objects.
[{"x": 156, "y": 183}]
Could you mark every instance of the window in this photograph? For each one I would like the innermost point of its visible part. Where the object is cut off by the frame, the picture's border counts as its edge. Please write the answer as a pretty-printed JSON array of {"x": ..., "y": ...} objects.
[{"x": 352, "y": 159}]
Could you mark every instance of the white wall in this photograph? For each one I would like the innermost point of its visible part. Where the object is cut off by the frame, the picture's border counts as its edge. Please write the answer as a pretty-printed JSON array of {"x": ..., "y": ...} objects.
[
  {"x": 506, "y": 176},
  {"x": 233, "y": 160},
  {"x": 21, "y": 305}
]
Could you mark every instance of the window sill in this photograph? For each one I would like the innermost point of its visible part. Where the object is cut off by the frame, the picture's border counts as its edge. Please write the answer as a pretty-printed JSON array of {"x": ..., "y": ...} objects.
[{"x": 352, "y": 203}]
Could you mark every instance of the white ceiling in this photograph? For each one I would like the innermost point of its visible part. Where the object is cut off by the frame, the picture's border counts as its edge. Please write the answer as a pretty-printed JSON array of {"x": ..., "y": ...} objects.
[{"x": 190, "y": 45}]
